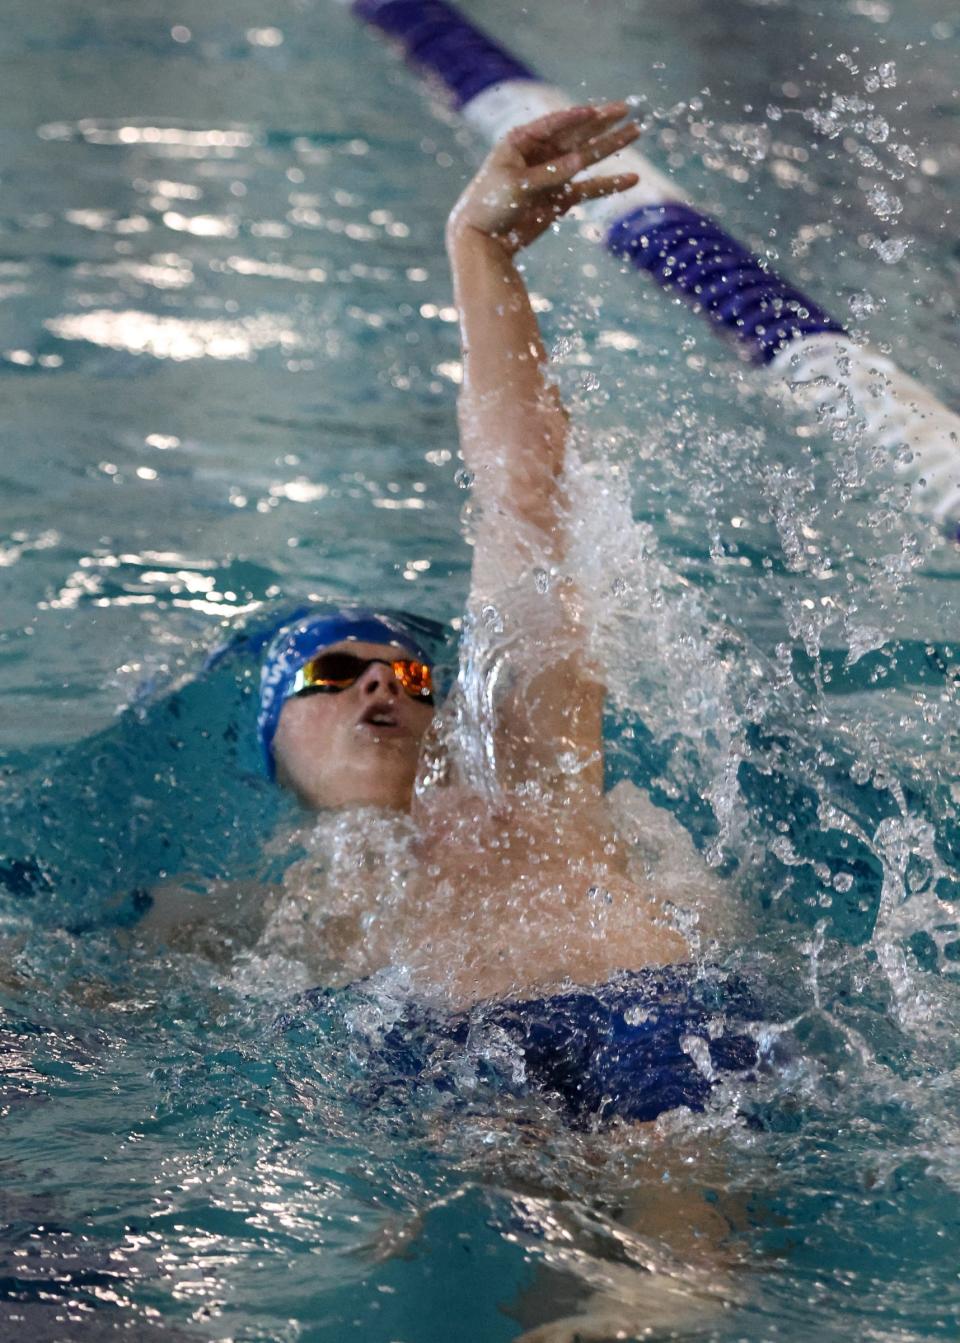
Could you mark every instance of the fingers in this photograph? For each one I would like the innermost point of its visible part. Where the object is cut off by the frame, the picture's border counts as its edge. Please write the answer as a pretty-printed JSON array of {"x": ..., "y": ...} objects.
[
  {"x": 539, "y": 138},
  {"x": 579, "y": 133},
  {"x": 559, "y": 170},
  {"x": 602, "y": 146},
  {"x": 593, "y": 187},
  {"x": 558, "y": 132}
]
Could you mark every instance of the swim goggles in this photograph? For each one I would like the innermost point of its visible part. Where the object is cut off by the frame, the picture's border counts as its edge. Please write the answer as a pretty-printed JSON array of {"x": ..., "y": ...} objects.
[{"x": 329, "y": 673}]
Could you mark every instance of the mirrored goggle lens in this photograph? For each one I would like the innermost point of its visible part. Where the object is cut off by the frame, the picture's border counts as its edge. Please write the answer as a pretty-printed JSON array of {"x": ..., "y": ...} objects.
[{"x": 337, "y": 671}]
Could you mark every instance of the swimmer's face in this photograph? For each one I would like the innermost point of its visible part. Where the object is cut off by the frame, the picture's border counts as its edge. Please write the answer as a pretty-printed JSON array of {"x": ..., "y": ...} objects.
[{"x": 357, "y": 746}]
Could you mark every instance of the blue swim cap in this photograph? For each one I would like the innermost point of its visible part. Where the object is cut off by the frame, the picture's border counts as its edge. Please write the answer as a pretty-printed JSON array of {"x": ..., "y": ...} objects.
[{"x": 296, "y": 644}]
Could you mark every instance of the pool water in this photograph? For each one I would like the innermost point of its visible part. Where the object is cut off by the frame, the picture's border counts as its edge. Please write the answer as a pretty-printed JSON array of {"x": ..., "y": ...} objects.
[{"x": 230, "y": 368}]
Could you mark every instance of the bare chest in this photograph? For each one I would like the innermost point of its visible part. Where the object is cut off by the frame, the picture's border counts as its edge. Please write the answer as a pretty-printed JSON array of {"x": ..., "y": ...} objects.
[{"x": 478, "y": 900}]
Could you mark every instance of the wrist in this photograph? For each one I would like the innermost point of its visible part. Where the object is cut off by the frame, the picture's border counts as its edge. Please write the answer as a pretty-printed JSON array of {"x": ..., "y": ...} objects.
[{"x": 462, "y": 235}]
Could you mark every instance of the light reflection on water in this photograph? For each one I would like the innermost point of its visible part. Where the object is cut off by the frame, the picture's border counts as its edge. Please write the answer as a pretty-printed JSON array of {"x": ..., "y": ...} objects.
[
  {"x": 230, "y": 359},
  {"x": 172, "y": 337}
]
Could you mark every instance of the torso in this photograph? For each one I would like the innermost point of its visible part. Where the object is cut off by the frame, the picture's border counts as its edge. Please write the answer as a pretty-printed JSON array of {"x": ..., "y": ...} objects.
[{"x": 470, "y": 899}]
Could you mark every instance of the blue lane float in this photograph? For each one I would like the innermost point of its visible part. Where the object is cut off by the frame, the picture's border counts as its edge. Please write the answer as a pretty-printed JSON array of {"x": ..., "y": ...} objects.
[
  {"x": 436, "y": 38},
  {"x": 689, "y": 252},
  {"x": 655, "y": 229}
]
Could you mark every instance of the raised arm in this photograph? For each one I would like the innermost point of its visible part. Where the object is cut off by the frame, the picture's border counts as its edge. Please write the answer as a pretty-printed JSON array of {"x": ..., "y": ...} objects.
[
  {"x": 513, "y": 432},
  {"x": 513, "y": 427}
]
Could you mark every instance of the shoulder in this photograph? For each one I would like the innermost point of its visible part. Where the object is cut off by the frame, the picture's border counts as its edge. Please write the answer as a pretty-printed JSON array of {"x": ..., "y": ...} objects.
[{"x": 213, "y": 918}]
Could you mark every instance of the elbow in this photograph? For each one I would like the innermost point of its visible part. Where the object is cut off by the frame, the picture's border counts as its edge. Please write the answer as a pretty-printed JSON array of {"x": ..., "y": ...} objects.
[{"x": 532, "y": 500}]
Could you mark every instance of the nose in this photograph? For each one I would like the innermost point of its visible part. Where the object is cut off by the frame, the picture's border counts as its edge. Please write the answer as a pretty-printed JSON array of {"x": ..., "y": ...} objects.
[{"x": 379, "y": 677}]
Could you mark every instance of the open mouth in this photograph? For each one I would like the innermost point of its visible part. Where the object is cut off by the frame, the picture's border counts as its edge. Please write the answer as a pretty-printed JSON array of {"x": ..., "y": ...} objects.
[{"x": 382, "y": 718}]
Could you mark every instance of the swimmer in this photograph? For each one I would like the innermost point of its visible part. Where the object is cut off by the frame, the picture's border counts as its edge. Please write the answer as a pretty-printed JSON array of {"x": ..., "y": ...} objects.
[
  {"x": 516, "y": 876},
  {"x": 528, "y": 888},
  {"x": 468, "y": 846},
  {"x": 478, "y": 856}
]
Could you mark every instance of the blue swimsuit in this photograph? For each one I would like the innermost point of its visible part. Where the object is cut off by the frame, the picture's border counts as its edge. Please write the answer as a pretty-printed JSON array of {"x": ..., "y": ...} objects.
[{"x": 648, "y": 1041}]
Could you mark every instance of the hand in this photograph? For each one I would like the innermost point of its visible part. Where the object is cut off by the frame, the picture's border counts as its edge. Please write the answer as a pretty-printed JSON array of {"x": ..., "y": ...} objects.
[{"x": 525, "y": 182}]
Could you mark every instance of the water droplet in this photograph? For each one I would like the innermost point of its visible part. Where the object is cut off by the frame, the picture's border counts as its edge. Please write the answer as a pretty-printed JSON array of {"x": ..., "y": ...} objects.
[
  {"x": 891, "y": 250},
  {"x": 862, "y": 305},
  {"x": 883, "y": 202},
  {"x": 697, "y": 1049}
]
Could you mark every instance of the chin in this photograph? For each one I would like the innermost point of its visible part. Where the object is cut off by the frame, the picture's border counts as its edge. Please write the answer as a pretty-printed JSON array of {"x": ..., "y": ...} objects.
[{"x": 391, "y": 793}]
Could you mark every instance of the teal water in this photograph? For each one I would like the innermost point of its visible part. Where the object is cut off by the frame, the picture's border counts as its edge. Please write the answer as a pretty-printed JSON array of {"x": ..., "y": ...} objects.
[{"x": 230, "y": 371}]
